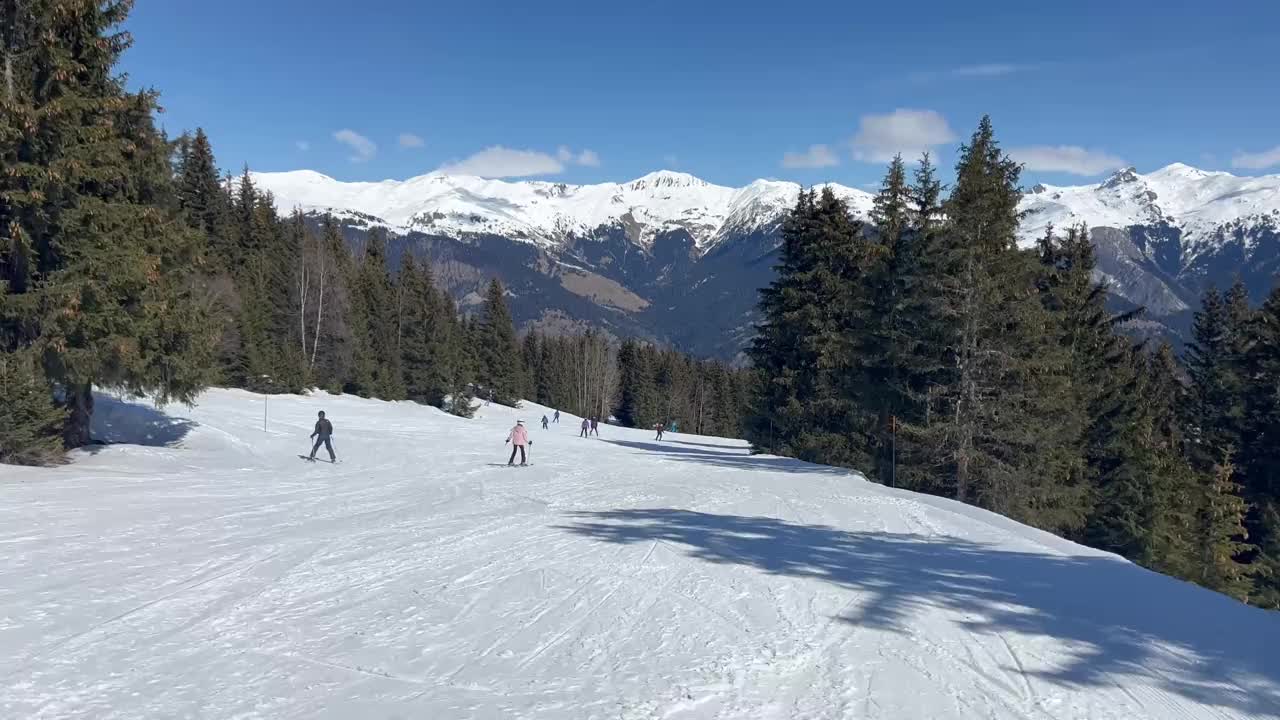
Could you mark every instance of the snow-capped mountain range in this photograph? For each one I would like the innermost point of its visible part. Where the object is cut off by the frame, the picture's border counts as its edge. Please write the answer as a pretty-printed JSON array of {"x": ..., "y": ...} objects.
[
  {"x": 1199, "y": 202},
  {"x": 546, "y": 212},
  {"x": 675, "y": 257}
]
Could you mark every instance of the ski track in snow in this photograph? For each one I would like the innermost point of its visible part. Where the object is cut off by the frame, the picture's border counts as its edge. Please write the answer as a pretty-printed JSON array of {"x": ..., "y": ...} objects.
[{"x": 205, "y": 571}]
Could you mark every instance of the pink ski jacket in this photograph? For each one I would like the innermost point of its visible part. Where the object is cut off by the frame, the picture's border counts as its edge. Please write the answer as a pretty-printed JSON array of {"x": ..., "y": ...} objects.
[{"x": 518, "y": 436}]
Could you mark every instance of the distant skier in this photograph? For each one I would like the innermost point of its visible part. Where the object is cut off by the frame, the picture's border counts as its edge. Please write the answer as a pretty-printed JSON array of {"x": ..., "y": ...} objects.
[
  {"x": 595, "y": 426},
  {"x": 556, "y": 418},
  {"x": 519, "y": 437},
  {"x": 544, "y": 422},
  {"x": 586, "y": 427},
  {"x": 322, "y": 433},
  {"x": 660, "y": 428}
]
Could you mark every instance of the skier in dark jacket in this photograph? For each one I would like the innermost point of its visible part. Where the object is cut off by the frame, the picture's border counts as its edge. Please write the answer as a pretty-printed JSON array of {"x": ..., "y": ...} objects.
[
  {"x": 556, "y": 417},
  {"x": 595, "y": 426},
  {"x": 586, "y": 427},
  {"x": 322, "y": 433},
  {"x": 544, "y": 422}
]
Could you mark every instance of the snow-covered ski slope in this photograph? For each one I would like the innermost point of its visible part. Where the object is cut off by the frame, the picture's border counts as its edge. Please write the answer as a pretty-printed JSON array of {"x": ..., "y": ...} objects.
[{"x": 208, "y": 572}]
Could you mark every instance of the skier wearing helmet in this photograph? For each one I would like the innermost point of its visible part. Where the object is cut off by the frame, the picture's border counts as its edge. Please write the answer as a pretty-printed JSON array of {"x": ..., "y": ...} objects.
[{"x": 519, "y": 437}]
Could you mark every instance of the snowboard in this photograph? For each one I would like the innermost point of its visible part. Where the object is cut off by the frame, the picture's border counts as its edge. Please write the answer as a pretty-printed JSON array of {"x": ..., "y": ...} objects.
[{"x": 311, "y": 459}]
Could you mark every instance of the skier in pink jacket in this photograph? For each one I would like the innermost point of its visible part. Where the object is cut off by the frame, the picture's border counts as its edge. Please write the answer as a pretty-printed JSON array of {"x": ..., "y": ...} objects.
[{"x": 518, "y": 438}]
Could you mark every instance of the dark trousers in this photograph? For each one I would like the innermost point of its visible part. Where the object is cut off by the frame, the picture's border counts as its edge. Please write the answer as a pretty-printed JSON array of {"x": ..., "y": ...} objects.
[
  {"x": 523, "y": 457},
  {"x": 323, "y": 440}
]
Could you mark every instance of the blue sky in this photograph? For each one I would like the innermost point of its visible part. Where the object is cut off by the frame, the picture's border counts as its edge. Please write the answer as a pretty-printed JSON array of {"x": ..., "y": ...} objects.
[{"x": 728, "y": 91}]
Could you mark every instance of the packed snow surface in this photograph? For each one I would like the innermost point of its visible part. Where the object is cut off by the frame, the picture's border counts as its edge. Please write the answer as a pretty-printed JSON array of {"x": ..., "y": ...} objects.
[{"x": 207, "y": 571}]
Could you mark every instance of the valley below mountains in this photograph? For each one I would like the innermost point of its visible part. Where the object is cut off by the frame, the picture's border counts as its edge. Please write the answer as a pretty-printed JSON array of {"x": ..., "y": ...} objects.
[{"x": 675, "y": 259}]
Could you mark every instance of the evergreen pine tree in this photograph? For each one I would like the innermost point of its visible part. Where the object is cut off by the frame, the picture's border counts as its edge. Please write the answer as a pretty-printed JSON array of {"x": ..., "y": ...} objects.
[
  {"x": 1146, "y": 491},
  {"x": 420, "y": 331},
  {"x": 1222, "y": 535},
  {"x": 891, "y": 325},
  {"x": 375, "y": 315},
  {"x": 1259, "y": 457},
  {"x": 1214, "y": 411},
  {"x": 453, "y": 355},
  {"x": 638, "y": 404},
  {"x": 202, "y": 198},
  {"x": 331, "y": 364},
  {"x": 996, "y": 425},
  {"x": 531, "y": 363},
  {"x": 30, "y": 421},
  {"x": 95, "y": 258},
  {"x": 496, "y": 345},
  {"x": 783, "y": 376},
  {"x": 803, "y": 351}
]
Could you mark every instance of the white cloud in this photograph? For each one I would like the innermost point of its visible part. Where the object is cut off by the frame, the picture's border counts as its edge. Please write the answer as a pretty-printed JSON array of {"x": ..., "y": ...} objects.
[
  {"x": 409, "y": 140},
  {"x": 364, "y": 148},
  {"x": 1258, "y": 160},
  {"x": 909, "y": 132},
  {"x": 303, "y": 145},
  {"x": 978, "y": 70},
  {"x": 987, "y": 70},
  {"x": 1066, "y": 159},
  {"x": 817, "y": 156},
  {"x": 498, "y": 161},
  {"x": 588, "y": 158}
]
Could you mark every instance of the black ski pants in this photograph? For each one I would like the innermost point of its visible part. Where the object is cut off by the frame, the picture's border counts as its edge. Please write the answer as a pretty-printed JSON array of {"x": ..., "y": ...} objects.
[
  {"x": 523, "y": 457},
  {"x": 323, "y": 440}
]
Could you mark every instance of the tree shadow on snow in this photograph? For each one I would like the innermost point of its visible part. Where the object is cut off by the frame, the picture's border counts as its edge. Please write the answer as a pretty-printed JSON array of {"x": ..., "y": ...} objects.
[
  {"x": 119, "y": 421},
  {"x": 1106, "y": 611},
  {"x": 728, "y": 457}
]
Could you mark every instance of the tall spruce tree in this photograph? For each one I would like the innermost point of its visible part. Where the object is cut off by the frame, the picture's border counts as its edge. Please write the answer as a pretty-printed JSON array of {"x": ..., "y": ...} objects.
[
  {"x": 202, "y": 197},
  {"x": 374, "y": 323},
  {"x": 996, "y": 423},
  {"x": 1099, "y": 363},
  {"x": 332, "y": 355},
  {"x": 95, "y": 258},
  {"x": 496, "y": 344},
  {"x": 1214, "y": 410},
  {"x": 30, "y": 420},
  {"x": 802, "y": 351},
  {"x": 531, "y": 364},
  {"x": 895, "y": 317},
  {"x": 783, "y": 376},
  {"x": 453, "y": 353},
  {"x": 1146, "y": 495},
  {"x": 1222, "y": 535},
  {"x": 424, "y": 380},
  {"x": 1259, "y": 457}
]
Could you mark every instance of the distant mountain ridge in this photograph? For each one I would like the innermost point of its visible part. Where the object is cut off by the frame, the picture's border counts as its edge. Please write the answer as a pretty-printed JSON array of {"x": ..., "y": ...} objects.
[
  {"x": 675, "y": 258},
  {"x": 548, "y": 213}
]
